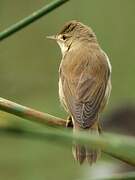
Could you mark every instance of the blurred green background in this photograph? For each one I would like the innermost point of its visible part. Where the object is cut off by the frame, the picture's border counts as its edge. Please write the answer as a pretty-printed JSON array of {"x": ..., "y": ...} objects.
[{"x": 29, "y": 75}]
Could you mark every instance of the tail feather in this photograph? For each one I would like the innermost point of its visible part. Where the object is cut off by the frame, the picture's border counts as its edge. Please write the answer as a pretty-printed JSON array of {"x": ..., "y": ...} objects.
[
  {"x": 79, "y": 153},
  {"x": 82, "y": 153},
  {"x": 92, "y": 155}
]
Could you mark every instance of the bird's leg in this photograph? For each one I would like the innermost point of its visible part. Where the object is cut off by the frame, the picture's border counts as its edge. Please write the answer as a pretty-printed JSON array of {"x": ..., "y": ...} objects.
[
  {"x": 69, "y": 122},
  {"x": 99, "y": 128}
]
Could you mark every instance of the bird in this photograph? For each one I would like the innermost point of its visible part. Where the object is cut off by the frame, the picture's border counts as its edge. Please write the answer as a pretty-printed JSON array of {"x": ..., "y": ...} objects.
[{"x": 84, "y": 82}]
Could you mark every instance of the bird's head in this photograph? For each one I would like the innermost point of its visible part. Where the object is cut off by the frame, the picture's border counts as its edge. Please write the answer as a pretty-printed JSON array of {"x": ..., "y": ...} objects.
[{"x": 73, "y": 32}]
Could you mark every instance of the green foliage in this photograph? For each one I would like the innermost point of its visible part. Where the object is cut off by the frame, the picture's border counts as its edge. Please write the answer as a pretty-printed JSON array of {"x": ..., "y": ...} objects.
[
  {"x": 29, "y": 52},
  {"x": 29, "y": 19}
]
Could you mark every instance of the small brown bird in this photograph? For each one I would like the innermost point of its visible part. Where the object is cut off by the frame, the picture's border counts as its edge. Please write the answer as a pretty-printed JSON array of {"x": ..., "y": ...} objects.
[{"x": 84, "y": 81}]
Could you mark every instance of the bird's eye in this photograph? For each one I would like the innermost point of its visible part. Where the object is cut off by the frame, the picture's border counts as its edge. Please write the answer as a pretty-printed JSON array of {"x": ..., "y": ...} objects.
[{"x": 64, "y": 37}]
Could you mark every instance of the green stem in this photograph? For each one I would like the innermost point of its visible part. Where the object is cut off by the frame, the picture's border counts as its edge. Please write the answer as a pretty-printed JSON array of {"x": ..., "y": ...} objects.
[
  {"x": 123, "y": 176},
  {"x": 29, "y": 113},
  {"x": 119, "y": 146},
  {"x": 31, "y": 18}
]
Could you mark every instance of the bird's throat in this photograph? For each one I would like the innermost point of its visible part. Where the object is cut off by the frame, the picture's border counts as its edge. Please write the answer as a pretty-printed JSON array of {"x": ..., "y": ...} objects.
[{"x": 63, "y": 47}]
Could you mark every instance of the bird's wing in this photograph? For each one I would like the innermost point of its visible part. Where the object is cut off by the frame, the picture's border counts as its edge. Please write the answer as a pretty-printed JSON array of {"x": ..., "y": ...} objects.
[{"x": 84, "y": 82}]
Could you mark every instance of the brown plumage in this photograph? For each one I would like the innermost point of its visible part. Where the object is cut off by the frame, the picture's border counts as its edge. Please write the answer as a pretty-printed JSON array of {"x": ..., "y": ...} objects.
[{"x": 84, "y": 81}]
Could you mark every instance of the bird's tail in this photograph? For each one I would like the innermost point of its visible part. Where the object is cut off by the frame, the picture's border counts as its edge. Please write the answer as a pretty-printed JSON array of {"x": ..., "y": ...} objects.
[{"x": 82, "y": 152}]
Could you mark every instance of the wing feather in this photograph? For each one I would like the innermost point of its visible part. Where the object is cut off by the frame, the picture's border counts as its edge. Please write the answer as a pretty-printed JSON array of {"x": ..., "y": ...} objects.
[{"x": 84, "y": 88}]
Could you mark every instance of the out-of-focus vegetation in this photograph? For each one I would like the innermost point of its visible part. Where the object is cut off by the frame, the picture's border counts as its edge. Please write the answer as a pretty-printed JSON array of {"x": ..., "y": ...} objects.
[{"x": 29, "y": 75}]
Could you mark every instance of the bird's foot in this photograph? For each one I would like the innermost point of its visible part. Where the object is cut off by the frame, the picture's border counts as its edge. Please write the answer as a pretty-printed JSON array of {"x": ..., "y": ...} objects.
[{"x": 69, "y": 122}]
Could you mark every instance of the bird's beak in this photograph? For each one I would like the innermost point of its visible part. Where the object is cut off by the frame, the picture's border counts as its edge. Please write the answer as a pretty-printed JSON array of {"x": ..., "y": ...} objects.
[{"x": 51, "y": 37}]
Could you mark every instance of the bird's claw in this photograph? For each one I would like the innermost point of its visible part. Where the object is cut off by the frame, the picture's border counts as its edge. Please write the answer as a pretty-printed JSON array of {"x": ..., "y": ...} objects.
[{"x": 69, "y": 122}]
